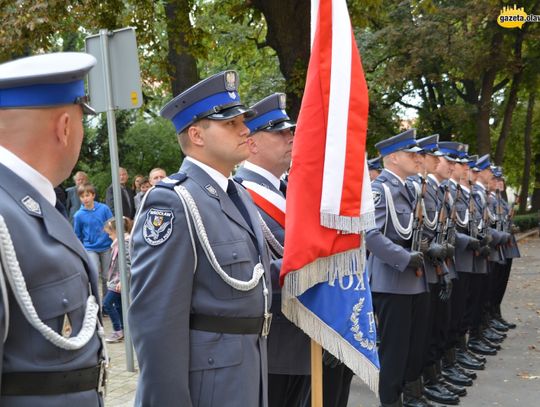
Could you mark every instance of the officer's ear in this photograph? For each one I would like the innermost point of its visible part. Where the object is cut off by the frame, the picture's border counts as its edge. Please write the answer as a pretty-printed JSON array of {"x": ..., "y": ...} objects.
[
  {"x": 63, "y": 128},
  {"x": 195, "y": 133},
  {"x": 252, "y": 144}
]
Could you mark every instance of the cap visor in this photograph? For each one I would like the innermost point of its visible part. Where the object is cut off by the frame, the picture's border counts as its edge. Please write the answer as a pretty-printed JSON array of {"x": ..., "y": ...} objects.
[
  {"x": 87, "y": 109},
  {"x": 413, "y": 149},
  {"x": 232, "y": 112},
  {"x": 284, "y": 125}
]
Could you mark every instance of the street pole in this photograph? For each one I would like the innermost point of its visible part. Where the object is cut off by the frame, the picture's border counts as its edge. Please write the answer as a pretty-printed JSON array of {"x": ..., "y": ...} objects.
[{"x": 118, "y": 212}]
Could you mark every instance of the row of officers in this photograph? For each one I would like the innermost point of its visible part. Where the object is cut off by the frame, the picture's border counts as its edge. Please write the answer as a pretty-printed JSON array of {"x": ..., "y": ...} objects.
[
  {"x": 206, "y": 255},
  {"x": 439, "y": 263}
]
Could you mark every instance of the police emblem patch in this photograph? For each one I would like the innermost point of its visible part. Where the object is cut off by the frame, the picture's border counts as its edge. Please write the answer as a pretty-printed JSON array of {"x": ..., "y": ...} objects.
[
  {"x": 377, "y": 197},
  {"x": 158, "y": 226},
  {"x": 211, "y": 190},
  {"x": 31, "y": 204}
]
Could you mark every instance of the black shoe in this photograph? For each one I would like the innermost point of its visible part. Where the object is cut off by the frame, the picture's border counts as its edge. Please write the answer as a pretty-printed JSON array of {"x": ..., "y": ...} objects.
[
  {"x": 454, "y": 376},
  {"x": 437, "y": 392},
  {"x": 509, "y": 325},
  {"x": 493, "y": 345},
  {"x": 479, "y": 358},
  {"x": 479, "y": 347},
  {"x": 412, "y": 395},
  {"x": 459, "y": 390},
  {"x": 469, "y": 362},
  {"x": 492, "y": 333},
  {"x": 469, "y": 373},
  {"x": 416, "y": 402},
  {"x": 498, "y": 325}
]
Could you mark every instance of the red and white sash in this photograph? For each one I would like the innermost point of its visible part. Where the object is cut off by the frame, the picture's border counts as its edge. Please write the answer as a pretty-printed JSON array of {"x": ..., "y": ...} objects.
[{"x": 269, "y": 201}]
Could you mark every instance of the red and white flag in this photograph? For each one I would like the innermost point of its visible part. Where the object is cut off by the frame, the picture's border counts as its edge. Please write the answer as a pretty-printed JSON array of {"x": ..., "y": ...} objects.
[{"x": 329, "y": 199}]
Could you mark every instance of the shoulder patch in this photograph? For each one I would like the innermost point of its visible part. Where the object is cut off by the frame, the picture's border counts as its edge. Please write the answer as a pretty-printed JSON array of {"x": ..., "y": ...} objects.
[
  {"x": 172, "y": 180},
  {"x": 377, "y": 196},
  {"x": 158, "y": 226}
]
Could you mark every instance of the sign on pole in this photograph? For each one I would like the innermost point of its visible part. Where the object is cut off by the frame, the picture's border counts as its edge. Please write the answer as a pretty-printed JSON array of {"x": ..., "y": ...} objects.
[{"x": 115, "y": 83}]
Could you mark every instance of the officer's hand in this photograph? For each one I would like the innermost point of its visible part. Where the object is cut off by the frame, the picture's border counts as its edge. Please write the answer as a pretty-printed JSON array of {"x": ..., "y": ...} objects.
[
  {"x": 449, "y": 250},
  {"x": 486, "y": 239},
  {"x": 446, "y": 287},
  {"x": 474, "y": 244},
  {"x": 436, "y": 253},
  {"x": 484, "y": 251},
  {"x": 329, "y": 359},
  {"x": 416, "y": 261}
]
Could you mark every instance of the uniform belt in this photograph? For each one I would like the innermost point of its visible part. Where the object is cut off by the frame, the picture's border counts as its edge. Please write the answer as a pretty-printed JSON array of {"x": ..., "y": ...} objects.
[
  {"x": 50, "y": 383},
  {"x": 226, "y": 325}
]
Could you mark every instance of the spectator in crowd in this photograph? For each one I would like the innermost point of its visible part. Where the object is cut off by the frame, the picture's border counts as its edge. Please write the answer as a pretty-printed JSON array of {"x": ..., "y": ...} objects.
[
  {"x": 128, "y": 206},
  {"x": 145, "y": 186},
  {"x": 73, "y": 203},
  {"x": 88, "y": 224},
  {"x": 136, "y": 187},
  {"x": 112, "y": 303},
  {"x": 156, "y": 175}
]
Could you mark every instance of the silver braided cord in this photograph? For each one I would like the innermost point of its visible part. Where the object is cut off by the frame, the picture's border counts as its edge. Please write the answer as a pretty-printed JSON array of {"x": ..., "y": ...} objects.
[
  {"x": 403, "y": 232},
  {"x": 15, "y": 278},
  {"x": 430, "y": 224},
  {"x": 463, "y": 222},
  {"x": 240, "y": 285},
  {"x": 269, "y": 236}
]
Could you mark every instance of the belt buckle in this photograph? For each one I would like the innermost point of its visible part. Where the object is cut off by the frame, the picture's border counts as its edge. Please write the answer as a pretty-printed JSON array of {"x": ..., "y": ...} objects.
[
  {"x": 266, "y": 324},
  {"x": 102, "y": 378}
]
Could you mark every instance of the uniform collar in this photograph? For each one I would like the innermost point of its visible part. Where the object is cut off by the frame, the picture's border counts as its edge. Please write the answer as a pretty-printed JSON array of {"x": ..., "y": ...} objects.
[
  {"x": 434, "y": 179},
  {"x": 29, "y": 174},
  {"x": 453, "y": 181},
  {"x": 481, "y": 185},
  {"x": 466, "y": 189},
  {"x": 217, "y": 176},
  {"x": 263, "y": 173},
  {"x": 397, "y": 176}
]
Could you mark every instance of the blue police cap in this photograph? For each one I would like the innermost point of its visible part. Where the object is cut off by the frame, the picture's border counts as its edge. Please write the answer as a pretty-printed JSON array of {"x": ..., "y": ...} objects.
[
  {"x": 375, "y": 164},
  {"x": 483, "y": 163},
  {"x": 497, "y": 171},
  {"x": 46, "y": 80},
  {"x": 405, "y": 141},
  {"x": 429, "y": 145},
  {"x": 454, "y": 151},
  {"x": 215, "y": 98},
  {"x": 472, "y": 161},
  {"x": 270, "y": 114}
]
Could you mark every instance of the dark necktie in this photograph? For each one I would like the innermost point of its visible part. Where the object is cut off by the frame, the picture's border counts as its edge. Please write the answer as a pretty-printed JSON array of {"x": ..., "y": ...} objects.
[
  {"x": 61, "y": 208},
  {"x": 283, "y": 187},
  {"x": 233, "y": 194}
]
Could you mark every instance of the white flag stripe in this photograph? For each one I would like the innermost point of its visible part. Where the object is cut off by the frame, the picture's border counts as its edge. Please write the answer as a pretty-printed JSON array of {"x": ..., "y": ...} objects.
[
  {"x": 338, "y": 110},
  {"x": 314, "y": 17},
  {"x": 367, "y": 205}
]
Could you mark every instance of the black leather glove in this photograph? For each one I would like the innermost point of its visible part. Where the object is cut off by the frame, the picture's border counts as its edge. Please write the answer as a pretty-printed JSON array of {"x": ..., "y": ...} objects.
[
  {"x": 449, "y": 250},
  {"x": 329, "y": 359},
  {"x": 446, "y": 287},
  {"x": 484, "y": 251},
  {"x": 416, "y": 261},
  {"x": 436, "y": 253}
]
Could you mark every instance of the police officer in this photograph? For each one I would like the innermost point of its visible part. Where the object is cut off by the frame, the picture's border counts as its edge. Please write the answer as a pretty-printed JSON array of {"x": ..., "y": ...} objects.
[
  {"x": 398, "y": 283},
  {"x": 270, "y": 146},
  {"x": 374, "y": 167},
  {"x": 48, "y": 286},
  {"x": 201, "y": 290}
]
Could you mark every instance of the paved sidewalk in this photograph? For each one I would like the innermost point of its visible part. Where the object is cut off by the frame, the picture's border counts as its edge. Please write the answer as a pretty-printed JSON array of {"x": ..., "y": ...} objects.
[{"x": 512, "y": 377}]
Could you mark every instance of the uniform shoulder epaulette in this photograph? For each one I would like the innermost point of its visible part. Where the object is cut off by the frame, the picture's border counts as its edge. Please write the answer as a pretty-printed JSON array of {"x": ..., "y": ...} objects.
[
  {"x": 172, "y": 180},
  {"x": 381, "y": 178}
]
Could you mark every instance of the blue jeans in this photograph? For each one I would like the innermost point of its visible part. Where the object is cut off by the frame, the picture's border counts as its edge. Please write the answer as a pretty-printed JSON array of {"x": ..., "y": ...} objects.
[{"x": 112, "y": 304}]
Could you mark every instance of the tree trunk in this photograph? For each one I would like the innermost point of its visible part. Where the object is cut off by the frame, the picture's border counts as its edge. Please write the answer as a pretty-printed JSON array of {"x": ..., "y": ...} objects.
[
  {"x": 288, "y": 24},
  {"x": 512, "y": 100},
  {"x": 486, "y": 94},
  {"x": 528, "y": 153},
  {"x": 182, "y": 65}
]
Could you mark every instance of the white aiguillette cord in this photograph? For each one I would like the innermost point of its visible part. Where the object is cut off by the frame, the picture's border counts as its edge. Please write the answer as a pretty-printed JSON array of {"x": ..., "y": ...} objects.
[{"x": 11, "y": 268}]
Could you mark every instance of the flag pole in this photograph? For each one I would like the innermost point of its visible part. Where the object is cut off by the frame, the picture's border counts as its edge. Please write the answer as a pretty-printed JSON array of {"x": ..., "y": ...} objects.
[{"x": 316, "y": 375}]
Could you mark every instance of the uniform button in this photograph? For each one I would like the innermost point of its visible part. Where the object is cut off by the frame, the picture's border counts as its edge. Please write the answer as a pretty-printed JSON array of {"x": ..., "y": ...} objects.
[
  {"x": 396, "y": 265},
  {"x": 234, "y": 255},
  {"x": 65, "y": 301},
  {"x": 210, "y": 361}
]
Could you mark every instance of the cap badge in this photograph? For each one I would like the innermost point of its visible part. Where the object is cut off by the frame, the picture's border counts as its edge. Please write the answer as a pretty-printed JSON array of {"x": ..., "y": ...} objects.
[
  {"x": 282, "y": 101},
  {"x": 31, "y": 204},
  {"x": 230, "y": 80}
]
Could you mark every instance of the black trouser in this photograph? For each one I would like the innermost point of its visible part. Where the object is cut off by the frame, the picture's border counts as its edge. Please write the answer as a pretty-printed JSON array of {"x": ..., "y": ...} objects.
[
  {"x": 478, "y": 290},
  {"x": 336, "y": 385},
  {"x": 501, "y": 282},
  {"x": 439, "y": 325},
  {"x": 288, "y": 390},
  {"x": 402, "y": 330},
  {"x": 458, "y": 305}
]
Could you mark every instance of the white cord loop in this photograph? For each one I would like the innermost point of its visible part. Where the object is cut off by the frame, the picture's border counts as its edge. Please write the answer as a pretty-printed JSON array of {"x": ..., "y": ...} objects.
[
  {"x": 15, "y": 278},
  {"x": 269, "y": 236},
  {"x": 404, "y": 232}
]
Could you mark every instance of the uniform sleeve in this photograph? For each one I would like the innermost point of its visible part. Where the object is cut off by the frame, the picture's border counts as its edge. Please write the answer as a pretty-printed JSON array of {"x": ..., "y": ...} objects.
[
  {"x": 161, "y": 288},
  {"x": 377, "y": 243}
]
